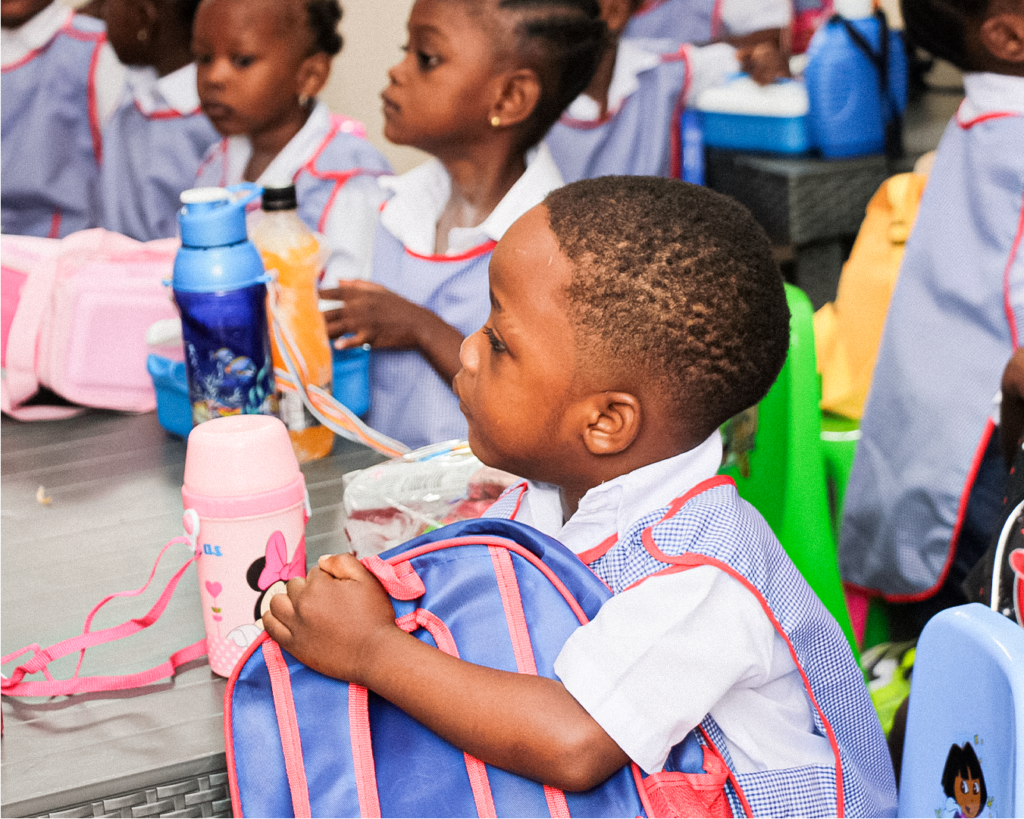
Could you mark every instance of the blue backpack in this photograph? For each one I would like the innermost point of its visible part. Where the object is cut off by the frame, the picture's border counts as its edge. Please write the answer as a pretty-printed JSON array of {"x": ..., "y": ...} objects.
[{"x": 494, "y": 592}]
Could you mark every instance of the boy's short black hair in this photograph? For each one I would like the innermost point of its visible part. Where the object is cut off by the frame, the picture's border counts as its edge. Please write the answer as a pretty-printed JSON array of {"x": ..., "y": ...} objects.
[
  {"x": 940, "y": 27},
  {"x": 679, "y": 282},
  {"x": 562, "y": 40},
  {"x": 323, "y": 17}
]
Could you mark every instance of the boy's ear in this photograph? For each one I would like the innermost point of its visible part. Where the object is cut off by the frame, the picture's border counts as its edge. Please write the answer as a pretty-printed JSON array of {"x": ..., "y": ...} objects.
[
  {"x": 313, "y": 74},
  {"x": 1002, "y": 35},
  {"x": 518, "y": 97},
  {"x": 616, "y": 13},
  {"x": 613, "y": 423}
]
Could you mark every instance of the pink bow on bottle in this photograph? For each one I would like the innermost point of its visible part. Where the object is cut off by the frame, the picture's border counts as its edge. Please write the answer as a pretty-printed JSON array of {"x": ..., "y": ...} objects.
[{"x": 276, "y": 567}]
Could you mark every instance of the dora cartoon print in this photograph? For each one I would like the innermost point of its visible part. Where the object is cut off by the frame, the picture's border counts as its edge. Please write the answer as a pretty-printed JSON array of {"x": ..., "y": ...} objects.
[
  {"x": 268, "y": 576},
  {"x": 964, "y": 784}
]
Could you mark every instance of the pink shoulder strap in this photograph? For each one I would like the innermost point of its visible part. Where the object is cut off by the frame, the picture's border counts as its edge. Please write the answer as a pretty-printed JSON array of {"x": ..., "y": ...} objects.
[{"x": 16, "y": 685}]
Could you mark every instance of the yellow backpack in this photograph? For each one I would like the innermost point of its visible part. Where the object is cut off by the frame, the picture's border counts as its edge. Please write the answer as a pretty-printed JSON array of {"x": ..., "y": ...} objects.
[{"x": 847, "y": 331}]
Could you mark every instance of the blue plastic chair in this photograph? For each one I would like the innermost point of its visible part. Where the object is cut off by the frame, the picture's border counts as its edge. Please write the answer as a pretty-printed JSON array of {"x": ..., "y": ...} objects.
[{"x": 967, "y": 688}]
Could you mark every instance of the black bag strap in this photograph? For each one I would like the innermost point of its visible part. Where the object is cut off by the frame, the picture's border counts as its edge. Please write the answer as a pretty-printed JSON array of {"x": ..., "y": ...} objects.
[{"x": 893, "y": 120}]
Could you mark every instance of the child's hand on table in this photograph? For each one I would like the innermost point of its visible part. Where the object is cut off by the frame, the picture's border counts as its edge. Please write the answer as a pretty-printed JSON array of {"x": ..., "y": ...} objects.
[
  {"x": 334, "y": 619},
  {"x": 764, "y": 62},
  {"x": 374, "y": 315}
]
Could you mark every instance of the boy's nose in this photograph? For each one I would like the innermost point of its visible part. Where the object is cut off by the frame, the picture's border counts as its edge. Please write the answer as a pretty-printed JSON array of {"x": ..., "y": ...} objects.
[{"x": 468, "y": 355}]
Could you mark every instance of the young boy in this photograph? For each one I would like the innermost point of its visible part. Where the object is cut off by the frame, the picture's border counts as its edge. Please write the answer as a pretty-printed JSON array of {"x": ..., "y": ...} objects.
[
  {"x": 613, "y": 352},
  {"x": 926, "y": 486}
]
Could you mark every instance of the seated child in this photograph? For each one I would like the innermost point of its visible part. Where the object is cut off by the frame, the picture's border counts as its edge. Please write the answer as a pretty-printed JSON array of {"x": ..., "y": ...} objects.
[
  {"x": 614, "y": 350},
  {"x": 60, "y": 82},
  {"x": 155, "y": 139},
  {"x": 925, "y": 488},
  {"x": 706, "y": 21},
  {"x": 261, "y": 65},
  {"x": 627, "y": 119},
  {"x": 481, "y": 82}
]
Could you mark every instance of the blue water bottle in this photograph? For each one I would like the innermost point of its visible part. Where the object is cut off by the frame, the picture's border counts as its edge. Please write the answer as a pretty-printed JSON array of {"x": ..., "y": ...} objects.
[
  {"x": 856, "y": 79},
  {"x": 221, "y": 290}
]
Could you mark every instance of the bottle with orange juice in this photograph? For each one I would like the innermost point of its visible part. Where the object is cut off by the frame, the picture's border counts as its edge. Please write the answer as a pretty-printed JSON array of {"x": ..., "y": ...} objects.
[{"x": 292, "y": 250}]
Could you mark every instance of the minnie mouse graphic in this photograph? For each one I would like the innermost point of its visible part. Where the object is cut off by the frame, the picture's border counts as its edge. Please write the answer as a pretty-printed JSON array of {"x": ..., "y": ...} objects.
[{"x": 268, "y": 576}]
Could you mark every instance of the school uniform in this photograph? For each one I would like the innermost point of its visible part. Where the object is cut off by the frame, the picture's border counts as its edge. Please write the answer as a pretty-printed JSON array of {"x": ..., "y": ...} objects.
[
  {"x": 334, "y": 171},
  {"x": 409, "y": 401},
  {"x": 60, "y": 80},
  {"x": 706, "y": 21},
  {"x": 713, "y": 638},
  {"x": 952, "y": 325},
  {"x": 154, "y": 143},
  {"x": 639, "y": 134}
]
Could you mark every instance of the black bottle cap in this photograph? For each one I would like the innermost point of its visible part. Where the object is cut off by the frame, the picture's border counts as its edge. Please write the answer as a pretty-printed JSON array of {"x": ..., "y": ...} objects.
[{"x": 279, "y": 197}]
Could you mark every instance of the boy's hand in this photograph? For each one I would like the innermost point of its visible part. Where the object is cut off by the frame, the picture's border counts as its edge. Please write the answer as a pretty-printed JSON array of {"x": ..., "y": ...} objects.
[
  {"x": 333, "y": 620},
  {"x": 373, "y": 315},
  {"x": 764, "y": 62}
]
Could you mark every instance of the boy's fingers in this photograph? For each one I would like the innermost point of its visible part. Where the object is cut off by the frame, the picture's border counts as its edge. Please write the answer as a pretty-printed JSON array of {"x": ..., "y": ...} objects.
[
  {"x": 277, "y": 630},
  {"x": 342, "y": 566}
]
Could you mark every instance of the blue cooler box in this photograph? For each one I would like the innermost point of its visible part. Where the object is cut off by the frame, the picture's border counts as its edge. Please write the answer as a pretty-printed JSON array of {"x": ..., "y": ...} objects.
[{"x": 744, "y": 116}]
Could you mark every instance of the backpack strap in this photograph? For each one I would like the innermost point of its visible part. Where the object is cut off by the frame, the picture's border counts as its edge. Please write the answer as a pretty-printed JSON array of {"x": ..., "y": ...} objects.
[
  {"x": 17, "y": 686},
  {"x": 288, "y": 726}
]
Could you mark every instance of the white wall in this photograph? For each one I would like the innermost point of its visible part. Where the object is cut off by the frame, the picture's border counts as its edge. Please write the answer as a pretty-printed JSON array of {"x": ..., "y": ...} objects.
[{"x": 374, "y": 31}]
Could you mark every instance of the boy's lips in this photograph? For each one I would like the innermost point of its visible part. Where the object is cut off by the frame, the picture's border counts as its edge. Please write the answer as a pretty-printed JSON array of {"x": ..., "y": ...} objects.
[
  {"x": 217, "y": 111},
  {"x": 390, "y": 106}
]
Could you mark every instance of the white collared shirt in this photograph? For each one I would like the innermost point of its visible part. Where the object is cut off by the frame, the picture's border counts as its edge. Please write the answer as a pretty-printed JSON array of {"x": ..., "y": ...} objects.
[
  {"x": 660, "y": 656},
  {"x": 991, "y": 93},
  {"x": 709, "y": 66},
  {"x": 173, "y": 92},
  {"x": 18, "y": 43},
  {"x": 420, "y": 196}
]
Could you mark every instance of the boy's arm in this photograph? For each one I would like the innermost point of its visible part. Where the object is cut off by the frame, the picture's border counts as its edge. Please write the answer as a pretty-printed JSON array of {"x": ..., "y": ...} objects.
[
  {"x": 383, "y": 319},
  {"x": 340, "y": 622}
]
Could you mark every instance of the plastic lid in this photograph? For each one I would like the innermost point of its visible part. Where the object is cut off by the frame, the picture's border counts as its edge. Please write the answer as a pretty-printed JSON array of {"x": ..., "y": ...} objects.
[
  {"x": 786, "y": 98},
  {"x": 854, "y": 9},
  {"x": 279, "y": 197},
  {"x": 214, "y": 217}
]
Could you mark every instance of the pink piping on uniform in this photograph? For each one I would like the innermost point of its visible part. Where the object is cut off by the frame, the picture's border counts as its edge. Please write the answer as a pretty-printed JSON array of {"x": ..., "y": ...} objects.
[
  {"x": 690, "y": 561},
  {"x": 1007, "y": 304},
  {"x": 288, "y": 726},
  {"x": 95, "y": 127},
  {"x": 675, "y": 133}
]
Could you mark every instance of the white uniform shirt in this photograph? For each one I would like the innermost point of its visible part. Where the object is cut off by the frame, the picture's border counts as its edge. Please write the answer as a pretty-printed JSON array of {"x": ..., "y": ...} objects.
[
  {"x": 741, "y": 17},
  {"x": 709, "y": 66},
  {"x": 18, "y": 43},
  {"x": 420, "y": 196},
  {"x": 660, "y": 656}
]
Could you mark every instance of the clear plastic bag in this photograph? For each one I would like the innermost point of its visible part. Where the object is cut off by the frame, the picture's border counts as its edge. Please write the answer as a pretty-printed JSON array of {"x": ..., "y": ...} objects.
[{"x": 392, "y": 502}]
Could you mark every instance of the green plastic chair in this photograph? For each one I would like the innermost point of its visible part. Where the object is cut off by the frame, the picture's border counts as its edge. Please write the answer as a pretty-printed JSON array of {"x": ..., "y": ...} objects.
[
  {"x": 787, "y": 469},
  {"x": 839, "y": 437}
]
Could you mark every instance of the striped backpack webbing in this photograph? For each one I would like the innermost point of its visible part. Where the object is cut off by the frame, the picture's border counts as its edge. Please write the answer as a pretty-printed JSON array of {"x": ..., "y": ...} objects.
[{"x": 493, "y": 592}]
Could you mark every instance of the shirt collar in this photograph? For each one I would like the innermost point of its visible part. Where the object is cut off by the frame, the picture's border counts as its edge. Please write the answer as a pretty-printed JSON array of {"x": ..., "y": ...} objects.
[
  {"x": 614, "y": 506},
  {"x": 412, "y": 213},
  {"x": 632, "y": 59},
  {"x": 991, "y": 94},
  {"x": 18, "y": 43},
  {"x": 174, "y": 92},
  {"x": 292, "y": 157}
]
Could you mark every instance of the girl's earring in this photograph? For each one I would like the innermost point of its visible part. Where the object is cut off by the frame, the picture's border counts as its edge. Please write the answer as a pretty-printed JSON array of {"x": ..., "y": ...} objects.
[
  {"x": 495, "y": 121},
  {"x": 143, "y": 35},
  {"x": 303, "y": 100}
]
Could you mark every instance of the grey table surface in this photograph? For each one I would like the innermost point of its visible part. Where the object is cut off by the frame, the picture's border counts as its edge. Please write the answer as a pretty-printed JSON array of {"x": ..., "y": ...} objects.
[{"x": 114, "y": 484}]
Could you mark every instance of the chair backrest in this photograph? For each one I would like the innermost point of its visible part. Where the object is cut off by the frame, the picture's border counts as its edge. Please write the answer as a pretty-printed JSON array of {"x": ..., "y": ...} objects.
[
  {"x": 787, "y": 470},
  {"x": 966, "y": 716}
]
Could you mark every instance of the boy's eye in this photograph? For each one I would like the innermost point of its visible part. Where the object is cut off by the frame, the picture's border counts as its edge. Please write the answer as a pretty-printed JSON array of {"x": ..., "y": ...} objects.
[
  {"x": 203, "y": 59},
  {"x": 242, "y": 60},
  {"x": 427, "y": 61},
  {"x": 497, "y": 345}
]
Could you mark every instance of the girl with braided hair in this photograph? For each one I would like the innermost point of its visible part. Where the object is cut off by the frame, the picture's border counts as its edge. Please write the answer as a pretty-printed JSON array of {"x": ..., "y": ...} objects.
[{"x": 480, "y": 84}]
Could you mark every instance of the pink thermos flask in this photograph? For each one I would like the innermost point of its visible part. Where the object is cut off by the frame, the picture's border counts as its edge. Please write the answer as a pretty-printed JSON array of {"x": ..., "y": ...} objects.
[{"x": 245, "y": 495}]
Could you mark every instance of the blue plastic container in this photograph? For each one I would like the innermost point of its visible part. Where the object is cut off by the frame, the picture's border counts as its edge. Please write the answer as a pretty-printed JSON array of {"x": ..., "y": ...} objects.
[
  {"x": 848, "y": 113},
  {"x": 173, "y": 410},
  {"x": 351, "y": 385},
  {"x": 743, "y": 116},
  {"x": 220, "y": 288}
]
